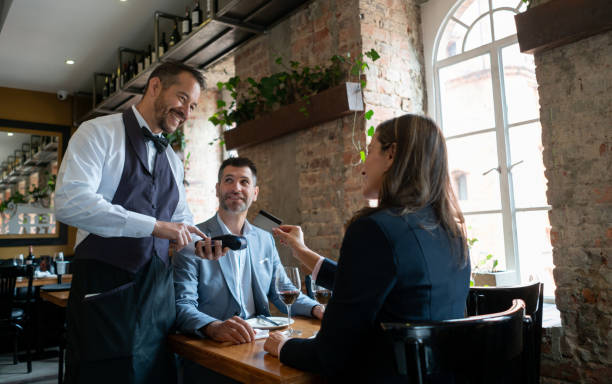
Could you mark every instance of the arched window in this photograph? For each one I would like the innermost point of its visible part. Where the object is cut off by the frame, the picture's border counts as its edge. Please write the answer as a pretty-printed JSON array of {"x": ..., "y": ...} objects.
[{"x": 486, "y": 102}]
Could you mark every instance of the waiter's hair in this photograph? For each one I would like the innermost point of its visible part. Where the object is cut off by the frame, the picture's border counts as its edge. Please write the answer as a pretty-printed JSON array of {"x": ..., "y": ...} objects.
[
  {"x": 238, "y": 162},
  {"x": 169, "y": 70}
]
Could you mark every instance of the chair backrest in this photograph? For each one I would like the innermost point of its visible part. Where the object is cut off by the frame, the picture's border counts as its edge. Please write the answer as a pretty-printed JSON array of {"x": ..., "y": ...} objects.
[
  {"x": 479, "y": 349},
  {"x": 8, "y": 279},
  {"x": 483, "y": 300}
]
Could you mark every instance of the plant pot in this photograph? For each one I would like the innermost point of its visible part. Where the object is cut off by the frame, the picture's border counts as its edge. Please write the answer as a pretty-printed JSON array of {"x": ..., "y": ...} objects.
[
  {"x": 328, "y": 105},
  {"x": 493, "y": 279}
]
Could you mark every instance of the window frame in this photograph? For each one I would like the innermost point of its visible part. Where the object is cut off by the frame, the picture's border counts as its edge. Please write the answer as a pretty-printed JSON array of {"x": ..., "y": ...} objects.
[{"x": 508, "y": 208}]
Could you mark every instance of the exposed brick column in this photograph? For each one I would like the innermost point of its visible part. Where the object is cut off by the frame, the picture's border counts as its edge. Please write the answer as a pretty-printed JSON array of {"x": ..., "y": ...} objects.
[
  {"x": 575, "y": 84},
  {"x": 311, "y": 177}
]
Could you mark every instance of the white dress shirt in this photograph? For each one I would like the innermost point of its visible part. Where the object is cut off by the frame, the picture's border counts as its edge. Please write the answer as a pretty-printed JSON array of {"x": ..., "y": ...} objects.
[
  {"x": 240, "y": 261},
  {"x": 90, "y": 174}
]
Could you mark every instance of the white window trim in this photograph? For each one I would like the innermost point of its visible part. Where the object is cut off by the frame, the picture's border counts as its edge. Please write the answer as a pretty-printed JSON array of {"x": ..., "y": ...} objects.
[{"x": 435, "y": 15}]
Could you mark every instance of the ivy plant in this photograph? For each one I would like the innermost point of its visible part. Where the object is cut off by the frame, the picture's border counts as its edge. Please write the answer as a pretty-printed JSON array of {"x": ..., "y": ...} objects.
[{"x": 251, "y": 99}]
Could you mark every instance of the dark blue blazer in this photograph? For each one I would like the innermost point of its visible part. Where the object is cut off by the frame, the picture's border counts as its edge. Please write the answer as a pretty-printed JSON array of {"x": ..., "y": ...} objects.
[{"x": 391, "y": 268}]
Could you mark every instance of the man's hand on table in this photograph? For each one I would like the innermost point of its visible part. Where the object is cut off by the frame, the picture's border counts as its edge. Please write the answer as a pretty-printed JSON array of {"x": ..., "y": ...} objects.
[
  {"x": 234, "y": 330},
  {"x": 318, "y": 311},
  {"x": 274, "y": 342}
]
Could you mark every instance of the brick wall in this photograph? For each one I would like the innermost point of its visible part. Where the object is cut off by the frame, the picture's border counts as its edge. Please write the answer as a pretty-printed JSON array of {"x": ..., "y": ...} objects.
[
  {"x": 575, "y": 84},
  {"x": 204, "y": 158},
  {"x": 311, "y": 177}
]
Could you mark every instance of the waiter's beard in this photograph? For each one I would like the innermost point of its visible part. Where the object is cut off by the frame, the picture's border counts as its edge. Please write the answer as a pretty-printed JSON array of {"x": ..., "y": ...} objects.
[{"x": 162, "y": 113}]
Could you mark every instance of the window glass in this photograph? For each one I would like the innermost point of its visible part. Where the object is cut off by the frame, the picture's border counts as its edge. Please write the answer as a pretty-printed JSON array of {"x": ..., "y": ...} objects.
[
  {"x": 520, "y": 85},
  {"x": 451, "y": 40},
  {"x": 479, "y": 35},
  {"x": 467, "y": 96},
  {"x": 469, "y": 10},
  {"x": 535, "y": 251},
  {"x": 472, "y": 156},
  {"x": 528, "y": 177},
  {"x": 488, "y": 230},
  {"x": 503, "y": 24},
  {"x": 506, "y": 4}
]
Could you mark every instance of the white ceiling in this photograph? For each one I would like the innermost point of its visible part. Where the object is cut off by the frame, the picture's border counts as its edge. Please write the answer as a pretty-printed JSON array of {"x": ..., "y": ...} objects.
[{"x": 39, "y": 35}]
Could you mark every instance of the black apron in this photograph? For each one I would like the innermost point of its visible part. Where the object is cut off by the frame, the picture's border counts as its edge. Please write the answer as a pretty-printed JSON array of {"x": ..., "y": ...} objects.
[{"x": 121, "y": 306}]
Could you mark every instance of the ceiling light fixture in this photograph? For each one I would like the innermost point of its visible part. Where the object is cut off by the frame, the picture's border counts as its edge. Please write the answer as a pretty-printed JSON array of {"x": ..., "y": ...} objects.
[
  {"x": 10, "y": 133},
  {"x": 69, "y": 61}
]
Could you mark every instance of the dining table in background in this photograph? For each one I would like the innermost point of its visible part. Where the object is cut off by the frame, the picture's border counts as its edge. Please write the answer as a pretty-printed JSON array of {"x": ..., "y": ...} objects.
[
  {"x": 43, "y": 281},
  {"x": 247, "y": 363}
]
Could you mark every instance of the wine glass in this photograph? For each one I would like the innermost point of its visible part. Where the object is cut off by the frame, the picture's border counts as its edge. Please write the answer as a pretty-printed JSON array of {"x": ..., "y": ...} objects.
[
  {"x": 286, "y": 283},
  {"x": 321, "y": 294}
]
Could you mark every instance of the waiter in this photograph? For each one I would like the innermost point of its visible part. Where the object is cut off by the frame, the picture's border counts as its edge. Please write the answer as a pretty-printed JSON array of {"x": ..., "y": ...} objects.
[{"x": 121, "y": 185}]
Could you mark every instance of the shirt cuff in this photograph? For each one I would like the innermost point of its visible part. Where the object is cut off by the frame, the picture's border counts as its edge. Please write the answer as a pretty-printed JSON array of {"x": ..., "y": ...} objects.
[
  {"x": 139, "y": 225},
  {"x": 317, "y": 267}
]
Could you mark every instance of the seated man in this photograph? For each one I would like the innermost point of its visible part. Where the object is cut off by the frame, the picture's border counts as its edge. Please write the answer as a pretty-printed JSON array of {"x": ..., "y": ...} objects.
[{"x": 214, "y": 297}]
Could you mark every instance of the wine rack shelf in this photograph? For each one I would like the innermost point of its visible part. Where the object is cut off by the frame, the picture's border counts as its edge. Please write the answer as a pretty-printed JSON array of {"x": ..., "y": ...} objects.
[{"x": 231, "y": 24}]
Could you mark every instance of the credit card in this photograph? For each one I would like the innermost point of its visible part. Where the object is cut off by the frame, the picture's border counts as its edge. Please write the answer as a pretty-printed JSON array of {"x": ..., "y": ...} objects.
[{"x": 266, "y": 221}]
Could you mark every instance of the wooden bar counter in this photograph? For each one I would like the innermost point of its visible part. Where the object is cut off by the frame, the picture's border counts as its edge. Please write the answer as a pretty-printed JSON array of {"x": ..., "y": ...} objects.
[{"x": 247, "y": 363}]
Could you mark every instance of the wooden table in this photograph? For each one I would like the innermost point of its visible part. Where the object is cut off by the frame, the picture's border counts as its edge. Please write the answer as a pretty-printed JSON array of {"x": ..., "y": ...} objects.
[
  {"x": 44, "y": 281},
  {"x": 59, "y": 298},
  {"x": 247, "y": 363}
]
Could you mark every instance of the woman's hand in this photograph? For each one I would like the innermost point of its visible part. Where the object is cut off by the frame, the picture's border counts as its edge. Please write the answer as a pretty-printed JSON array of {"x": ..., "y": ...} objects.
[
  {"x": 273, "y": 343},
  {"x": 291, "y": 236}
]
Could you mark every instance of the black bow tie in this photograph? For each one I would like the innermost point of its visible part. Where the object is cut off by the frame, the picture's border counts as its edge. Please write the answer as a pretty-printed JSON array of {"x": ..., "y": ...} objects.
[{"x": 160, "y": 142}]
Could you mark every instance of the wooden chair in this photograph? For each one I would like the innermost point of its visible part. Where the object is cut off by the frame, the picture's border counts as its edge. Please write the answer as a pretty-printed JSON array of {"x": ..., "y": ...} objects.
[
  {"x": 477, "y": 350},
  {"x": 15, "y": 321},
  {"x": 483, "y": 300}
]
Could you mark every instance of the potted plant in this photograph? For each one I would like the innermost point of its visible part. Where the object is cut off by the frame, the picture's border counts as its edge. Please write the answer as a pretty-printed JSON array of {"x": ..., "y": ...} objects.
[{"x": 486, "y": 272}]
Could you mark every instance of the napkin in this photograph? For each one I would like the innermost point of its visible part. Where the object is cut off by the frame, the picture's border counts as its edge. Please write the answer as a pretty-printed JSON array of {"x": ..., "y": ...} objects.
[
  {"x": 261, "y": 333},
  {"x": 43, "y": 274}
]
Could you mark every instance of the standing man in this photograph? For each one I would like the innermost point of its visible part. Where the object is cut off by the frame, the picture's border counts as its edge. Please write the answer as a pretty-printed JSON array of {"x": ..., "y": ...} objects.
[
  {"x": 122, "y": 187},
  {"x": 214, "y": 297}
]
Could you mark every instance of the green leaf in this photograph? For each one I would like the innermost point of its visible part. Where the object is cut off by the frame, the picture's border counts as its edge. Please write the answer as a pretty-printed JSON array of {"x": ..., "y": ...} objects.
[
  {"x": 220, "y": 85},
  {"x": 279, "y": 60},
  {"x": 221, "y": 104},
  {"x": 363, "y": 156},
  {"x": 372, "y": 54},
  {"x": 222, "y": 142},
  {"x": 489, "y": 256},
  {"x": 363, "y": 83},
  {"x": 471, "y": 283},
  {"x": 294, "y": 64},
  {"x": 495, "y": 262},
  {"x": 368, "y": 115},
  {"x": 371, "y": 131}
]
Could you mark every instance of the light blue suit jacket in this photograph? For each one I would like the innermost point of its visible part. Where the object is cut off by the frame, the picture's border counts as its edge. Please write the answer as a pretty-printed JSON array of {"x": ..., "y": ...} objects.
[{"x": 205, "y": 289}]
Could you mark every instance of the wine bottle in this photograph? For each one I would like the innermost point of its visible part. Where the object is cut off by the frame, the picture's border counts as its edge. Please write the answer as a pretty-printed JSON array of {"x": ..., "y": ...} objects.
[
  {"x": 175, "y": 36},
  {"x": 112, "y": 85},
  {"x": 152, "y": 55},
  {"x": 118, "y": 79},
  {"x": 105, "y": 88},
  {"x": 140, "y": 65},
  {"x": 196, "y": 14},
  {"x": 30, "y": 259},
  {"x": 186, "y": 23},
  {"x": 163, "y": 47}
]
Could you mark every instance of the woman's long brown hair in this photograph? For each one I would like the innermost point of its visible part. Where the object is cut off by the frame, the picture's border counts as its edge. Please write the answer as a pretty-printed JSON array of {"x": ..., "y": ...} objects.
[{"x": 418, "y": 175}]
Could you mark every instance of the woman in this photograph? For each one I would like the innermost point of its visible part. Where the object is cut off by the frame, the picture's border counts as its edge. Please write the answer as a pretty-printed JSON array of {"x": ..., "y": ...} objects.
[{"x": 404, "y": 261}]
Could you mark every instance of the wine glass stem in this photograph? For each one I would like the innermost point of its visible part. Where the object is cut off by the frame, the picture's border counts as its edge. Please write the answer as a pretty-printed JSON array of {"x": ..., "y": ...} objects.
[{"x": 289, "y": 318}]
